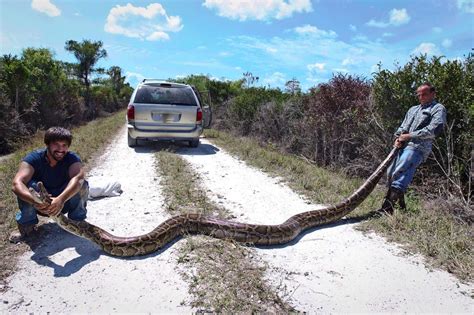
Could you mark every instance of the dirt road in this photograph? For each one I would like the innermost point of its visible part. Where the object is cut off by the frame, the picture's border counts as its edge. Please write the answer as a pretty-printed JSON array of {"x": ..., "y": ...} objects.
[{"x": 330, "y": 269}]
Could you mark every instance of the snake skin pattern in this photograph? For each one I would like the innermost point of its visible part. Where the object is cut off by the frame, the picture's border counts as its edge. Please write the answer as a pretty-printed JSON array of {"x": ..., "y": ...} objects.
[{"x": 180, "y": 225}]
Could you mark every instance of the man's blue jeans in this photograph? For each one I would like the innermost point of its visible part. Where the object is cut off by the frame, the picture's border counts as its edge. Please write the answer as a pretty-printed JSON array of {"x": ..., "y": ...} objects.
[
  {"x": 401, "y": 172},
  {"x": 74, "y": 207}
]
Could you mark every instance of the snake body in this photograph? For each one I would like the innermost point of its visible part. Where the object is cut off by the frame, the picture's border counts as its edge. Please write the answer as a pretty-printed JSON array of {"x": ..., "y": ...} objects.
[{"x": 193, "y": 223}]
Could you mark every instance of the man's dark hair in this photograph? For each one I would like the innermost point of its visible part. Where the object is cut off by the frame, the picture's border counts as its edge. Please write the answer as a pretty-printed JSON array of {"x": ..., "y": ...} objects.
[
  {"x": 57, "y": 134},
  {"x": 428, "y": 84}
]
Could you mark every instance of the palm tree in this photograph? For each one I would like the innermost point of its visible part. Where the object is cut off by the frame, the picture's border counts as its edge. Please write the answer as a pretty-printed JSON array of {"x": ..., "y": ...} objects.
[{"x": 88, "y": 54}]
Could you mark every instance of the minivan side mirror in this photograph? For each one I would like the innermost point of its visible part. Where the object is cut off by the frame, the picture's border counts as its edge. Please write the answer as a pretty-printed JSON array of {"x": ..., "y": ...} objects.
[{"x": 206, "y": 116}]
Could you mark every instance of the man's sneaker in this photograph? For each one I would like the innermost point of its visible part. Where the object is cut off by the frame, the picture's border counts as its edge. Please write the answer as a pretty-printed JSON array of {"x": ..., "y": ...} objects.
[{"x": 24, "y": 231}]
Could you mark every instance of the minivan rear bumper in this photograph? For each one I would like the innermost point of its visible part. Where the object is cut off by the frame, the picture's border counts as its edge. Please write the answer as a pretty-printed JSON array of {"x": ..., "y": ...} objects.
[{"x": 164, "y": 134}]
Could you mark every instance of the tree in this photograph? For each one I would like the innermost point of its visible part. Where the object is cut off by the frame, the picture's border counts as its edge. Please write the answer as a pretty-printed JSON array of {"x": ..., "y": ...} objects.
[
  {"x": 116, "y": 78},
  {"x": 250, "y": 79},
  {"x": 393, "y": 94},
  {"x": 14, "y": 74},
  {"x": 88, "y": 53},
  {"x": 293, "y": 87}
]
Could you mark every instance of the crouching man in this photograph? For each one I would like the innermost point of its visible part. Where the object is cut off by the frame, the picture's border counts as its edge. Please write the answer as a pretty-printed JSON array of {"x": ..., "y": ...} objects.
[{"x": 62, "y": 174}]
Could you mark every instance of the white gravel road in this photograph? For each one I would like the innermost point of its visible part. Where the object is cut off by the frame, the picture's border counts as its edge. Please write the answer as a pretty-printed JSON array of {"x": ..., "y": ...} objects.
[{"x": 335, "y": 269}]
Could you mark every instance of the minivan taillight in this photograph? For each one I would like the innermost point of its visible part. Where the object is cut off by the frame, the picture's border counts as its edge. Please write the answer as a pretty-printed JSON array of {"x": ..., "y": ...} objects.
[
  {"x": 131, "y": 112},
  {"x": 199, "y": 115}
]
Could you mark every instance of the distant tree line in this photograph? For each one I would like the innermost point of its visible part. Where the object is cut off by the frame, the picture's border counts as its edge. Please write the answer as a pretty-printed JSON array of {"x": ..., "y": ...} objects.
[
  {"x": 37, "y": 91},
  {"x": 348, "y": 122}
]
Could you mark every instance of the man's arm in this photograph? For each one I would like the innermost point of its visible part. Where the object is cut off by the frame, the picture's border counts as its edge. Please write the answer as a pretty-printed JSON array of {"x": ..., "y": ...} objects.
[
  {"x": 19, "y": 188},
  {"x": 76, "y": 175},
  {"x": 405, "y": 126},
  {"x": 402, "y": 134}
]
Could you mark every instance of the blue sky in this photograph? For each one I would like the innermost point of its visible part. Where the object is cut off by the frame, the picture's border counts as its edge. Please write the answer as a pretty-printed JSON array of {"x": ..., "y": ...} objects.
[{"x": 276, "y": 40}]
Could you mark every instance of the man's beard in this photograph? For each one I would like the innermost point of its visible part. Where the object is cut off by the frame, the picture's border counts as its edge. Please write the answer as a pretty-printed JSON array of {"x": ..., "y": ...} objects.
[{"x": 57, "y": 158}]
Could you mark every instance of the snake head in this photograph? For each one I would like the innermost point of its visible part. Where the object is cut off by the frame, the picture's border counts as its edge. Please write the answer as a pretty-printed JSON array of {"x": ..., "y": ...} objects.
[{"x": 42, "y": 196}]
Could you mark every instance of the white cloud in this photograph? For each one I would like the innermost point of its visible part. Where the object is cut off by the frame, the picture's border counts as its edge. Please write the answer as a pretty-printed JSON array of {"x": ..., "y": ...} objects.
[
  {"x": 134, "y": 78},
  {"x": 271, "y": 50},
  {"x": 316, "y": 67},
  {"x": 159, "y": 35},
  {"x": 340, "y": 70},
  {"x": 46, "y": 7},
  {"x": 313, "y": 30},
  {"x": 147, "y": 23},
  {"x": 348, "y": 61},
  {"x": 258, "y": 9},
  {"x": 375, "y": 23},
  {"x": 426, "y": 48},
  {"x": 447, "y": 43},
  {"x": 316, "y": 57},
  {"x": 353, "y": 28},
  {"x": 360, "y": 38},
  {"x": 275, "y": 79},
  {"x": 437, "y": 29},
  {"x": 466, "y": 6},
  {"x": 387, "y": 34},
  {"x": 397, "y": 17}
]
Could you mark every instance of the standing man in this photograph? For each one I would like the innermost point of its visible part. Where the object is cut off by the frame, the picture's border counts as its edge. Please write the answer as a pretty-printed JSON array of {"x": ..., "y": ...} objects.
[
  {"x": 415, "y": 137},
  {"x": 62, "y": 174}
]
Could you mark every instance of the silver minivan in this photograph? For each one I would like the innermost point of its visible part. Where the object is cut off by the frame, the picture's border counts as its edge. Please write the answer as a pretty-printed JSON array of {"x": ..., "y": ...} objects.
[{"x": 161, "y": 110}]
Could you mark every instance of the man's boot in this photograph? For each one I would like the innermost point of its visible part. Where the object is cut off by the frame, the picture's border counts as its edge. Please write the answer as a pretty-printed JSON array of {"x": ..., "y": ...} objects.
[
  {"x": 24, "y": 231},
  {"x": 388, "y": 202},
  {"x": 401, "y": 201}
]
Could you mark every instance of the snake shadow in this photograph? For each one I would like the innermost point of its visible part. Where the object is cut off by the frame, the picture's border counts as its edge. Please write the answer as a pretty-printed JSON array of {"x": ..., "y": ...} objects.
[{"x": 51, "y": 240}]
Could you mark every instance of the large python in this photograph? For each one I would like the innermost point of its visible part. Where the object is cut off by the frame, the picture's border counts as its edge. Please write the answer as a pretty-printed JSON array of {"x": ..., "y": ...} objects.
[{"x": 199, "y": 224}]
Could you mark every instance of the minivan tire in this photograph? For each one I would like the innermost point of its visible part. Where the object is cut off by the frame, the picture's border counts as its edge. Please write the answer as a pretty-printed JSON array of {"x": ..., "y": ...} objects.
[
  {"x": 131, "y": 142},
  {"x": 194, "y": 143}
]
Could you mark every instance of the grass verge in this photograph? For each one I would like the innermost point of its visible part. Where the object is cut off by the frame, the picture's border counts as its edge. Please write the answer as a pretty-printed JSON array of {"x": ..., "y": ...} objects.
[
  {"x": 425, "y": 227},
  {"x": 87, "y": 142},
  {"x": 223, "y": 277}
]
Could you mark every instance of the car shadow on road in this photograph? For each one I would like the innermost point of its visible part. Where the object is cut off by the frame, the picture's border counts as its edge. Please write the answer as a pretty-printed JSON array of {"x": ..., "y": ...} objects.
[
  {"x": 177, "y": 147},
  {"x": 203, "y": 149}
]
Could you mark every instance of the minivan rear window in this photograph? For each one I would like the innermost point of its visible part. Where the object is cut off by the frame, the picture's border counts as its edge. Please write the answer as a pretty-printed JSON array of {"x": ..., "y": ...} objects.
[{"x": 161, "y": 94}]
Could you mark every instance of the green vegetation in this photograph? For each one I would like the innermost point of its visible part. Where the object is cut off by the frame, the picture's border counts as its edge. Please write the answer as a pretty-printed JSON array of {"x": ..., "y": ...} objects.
[
  {"x": 38, "y": 91},
  {"x": 223, "y": 277}
]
